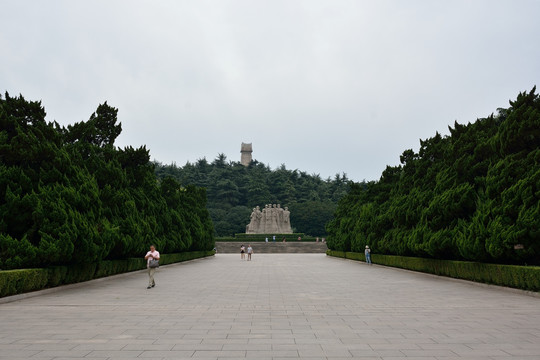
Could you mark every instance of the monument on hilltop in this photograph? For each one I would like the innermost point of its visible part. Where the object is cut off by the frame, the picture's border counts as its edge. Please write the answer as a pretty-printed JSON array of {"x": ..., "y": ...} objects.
[
  {"x": 273, "y": 219},
  {"x": 246, "y": 151}
]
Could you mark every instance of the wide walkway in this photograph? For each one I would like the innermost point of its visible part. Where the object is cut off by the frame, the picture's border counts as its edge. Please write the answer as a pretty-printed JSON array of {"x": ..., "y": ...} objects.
[{"x": 290, "y": 306}]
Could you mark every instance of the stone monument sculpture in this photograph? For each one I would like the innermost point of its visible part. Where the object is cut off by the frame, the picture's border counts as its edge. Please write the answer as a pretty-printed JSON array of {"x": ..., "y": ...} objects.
[
  {"x": 255, "y": 222},
  {"x": 273, "y": 219}
]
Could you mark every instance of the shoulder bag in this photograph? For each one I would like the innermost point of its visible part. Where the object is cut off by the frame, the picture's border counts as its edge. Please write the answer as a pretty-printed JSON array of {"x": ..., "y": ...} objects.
[{"x": 154, "y": 263}]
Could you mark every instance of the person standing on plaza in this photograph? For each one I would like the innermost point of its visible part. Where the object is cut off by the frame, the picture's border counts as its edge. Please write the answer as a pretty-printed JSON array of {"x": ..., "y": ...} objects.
[
  {"x": 153, "y": 254},
  {"x": 249, "y": 252},
  {"x": 242, "y": 252},
  {"x": 367, "y": 252}
]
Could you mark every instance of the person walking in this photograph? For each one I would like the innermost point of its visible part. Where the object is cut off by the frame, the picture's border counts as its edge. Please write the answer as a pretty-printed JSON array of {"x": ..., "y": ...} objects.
[
  {"x": 367, "y": 252},
  {"x": 153, "y": 254},
  {"x": 242, "y": 252},
  {"x": 249, "y": 252}
]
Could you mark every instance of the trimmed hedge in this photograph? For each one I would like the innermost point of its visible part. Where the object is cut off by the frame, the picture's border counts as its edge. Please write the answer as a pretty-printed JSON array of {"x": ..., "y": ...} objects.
[
  {"x": 520, "y": 277},
  {"x": 166, "y": 259},
  {"x": 278, "y": 236},
  {"x": 262, "y": 237},
  {"x": 13, "y": 282},
  {"x": 18, "y": 281}
]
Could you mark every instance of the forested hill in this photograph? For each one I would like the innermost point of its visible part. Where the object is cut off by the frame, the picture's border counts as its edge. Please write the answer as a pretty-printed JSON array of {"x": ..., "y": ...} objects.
[
  {"x": 472, "y": 195},
  {"x": 68, "y": 195},
  {"x": 233, "y": 190}
]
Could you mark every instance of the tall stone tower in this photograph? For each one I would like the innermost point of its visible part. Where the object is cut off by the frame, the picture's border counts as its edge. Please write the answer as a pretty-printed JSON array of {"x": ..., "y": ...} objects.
[{"x": 246, "y": 151}]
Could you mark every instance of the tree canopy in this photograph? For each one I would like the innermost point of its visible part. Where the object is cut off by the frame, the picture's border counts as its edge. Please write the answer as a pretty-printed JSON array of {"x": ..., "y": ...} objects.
[
  {"x": 471, "y": 195},
  {"x": 233, "y": 190},
  {"x": 68, "y": 195}
]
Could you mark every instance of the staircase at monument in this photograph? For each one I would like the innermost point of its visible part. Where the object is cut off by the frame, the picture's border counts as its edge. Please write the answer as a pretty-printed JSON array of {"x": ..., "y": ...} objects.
[{"x": 272, "y": 247}]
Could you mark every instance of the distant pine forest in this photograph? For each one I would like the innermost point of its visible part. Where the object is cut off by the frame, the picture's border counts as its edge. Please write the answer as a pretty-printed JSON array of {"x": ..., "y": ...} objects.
[
  {"x": 472, "y": 195},
  {"x": 233, "y": 190}
]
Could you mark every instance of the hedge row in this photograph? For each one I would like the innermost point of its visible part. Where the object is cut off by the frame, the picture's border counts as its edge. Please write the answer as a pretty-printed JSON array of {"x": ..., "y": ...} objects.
[
  {"x": 262, "y": 237},
  {"x": 13, "y": 282},
  {"x": 520, "y": 277},
  {"x": 249, "y": 236}
]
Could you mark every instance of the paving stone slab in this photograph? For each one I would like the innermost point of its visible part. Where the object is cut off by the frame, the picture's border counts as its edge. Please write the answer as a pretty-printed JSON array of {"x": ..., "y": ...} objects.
[{"x": 278, "y": 306}]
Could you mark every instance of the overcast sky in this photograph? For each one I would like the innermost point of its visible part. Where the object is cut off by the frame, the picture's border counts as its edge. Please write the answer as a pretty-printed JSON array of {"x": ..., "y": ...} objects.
[{"x": 325, "y": 87}]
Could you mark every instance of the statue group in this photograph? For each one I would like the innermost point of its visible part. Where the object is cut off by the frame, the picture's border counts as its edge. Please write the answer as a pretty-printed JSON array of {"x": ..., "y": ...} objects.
[{"x": 271, "y": 220}]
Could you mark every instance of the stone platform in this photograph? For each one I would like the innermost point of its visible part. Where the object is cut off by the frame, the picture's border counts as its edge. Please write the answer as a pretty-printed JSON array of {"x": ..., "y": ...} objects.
[
  {"x": 278, "y": 247},
  {"x": 278, "y": 306}
]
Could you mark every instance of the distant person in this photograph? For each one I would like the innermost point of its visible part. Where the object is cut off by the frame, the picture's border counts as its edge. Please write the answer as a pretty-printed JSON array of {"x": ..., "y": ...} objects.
[
  {"x": 151, "y": 255},
  {"x": 249, "y": 252},
  {"x": 274, "y": 238},
  {"x": 367, "y": 252},
  {"x": 299, "y": 238},
  {"x": 242, "y": 252},
  {"x": 266, "y": 239},
  {"x": 317, "y": 240}
]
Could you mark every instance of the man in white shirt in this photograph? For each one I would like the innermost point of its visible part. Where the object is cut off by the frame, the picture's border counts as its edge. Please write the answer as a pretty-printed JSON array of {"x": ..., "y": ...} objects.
[{"x": 152, "y": 254}]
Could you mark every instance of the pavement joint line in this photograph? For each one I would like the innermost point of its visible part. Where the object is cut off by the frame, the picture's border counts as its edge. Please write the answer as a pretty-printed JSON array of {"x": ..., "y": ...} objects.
[
  {"x": 277, "y": 307},
  {"x": 31, "y": 294}
]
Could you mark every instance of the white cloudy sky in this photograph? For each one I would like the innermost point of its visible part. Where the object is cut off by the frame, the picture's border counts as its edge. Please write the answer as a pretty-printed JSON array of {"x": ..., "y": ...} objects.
[{"x": 321, "y": 86}]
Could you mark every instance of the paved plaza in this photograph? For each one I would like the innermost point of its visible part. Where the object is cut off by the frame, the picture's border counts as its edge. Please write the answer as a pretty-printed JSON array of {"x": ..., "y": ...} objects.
[{"x": 278, "y": 306}]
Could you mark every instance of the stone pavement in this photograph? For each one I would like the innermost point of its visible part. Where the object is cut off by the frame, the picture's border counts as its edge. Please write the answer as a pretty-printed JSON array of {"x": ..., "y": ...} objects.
[
  {"x": 271, "y": 247},
  {"x": 286, "y": 306}
]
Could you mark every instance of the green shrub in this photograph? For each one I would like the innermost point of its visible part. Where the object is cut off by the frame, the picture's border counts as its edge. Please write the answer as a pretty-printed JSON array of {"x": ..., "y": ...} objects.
[
  {"x": 80, "y": 272},
  {"x": 520, "y": 277},
  {"x": 262, "y": 237},
  {"x": 56, "y": 275},
  {"x": 112, "y": 267},
  {"x": 107, "y": 268},
  {"x": 134, "y": 264},
  {"x": 228, "y": 239},
  {"x": 21, "y": 281},
  {"x": 336, "y": 253},
  {"x": 180, "y": 257}
]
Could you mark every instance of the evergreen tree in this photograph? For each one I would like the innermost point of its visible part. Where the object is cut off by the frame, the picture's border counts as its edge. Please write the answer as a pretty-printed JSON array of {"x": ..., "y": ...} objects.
[
  {"x": 472, "y": 195},
  {"x": 234, "y": 190},
  {"x": 68, "y": 195}
]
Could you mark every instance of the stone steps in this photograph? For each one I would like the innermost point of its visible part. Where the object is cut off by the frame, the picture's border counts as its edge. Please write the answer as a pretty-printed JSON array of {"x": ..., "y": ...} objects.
[{"x": 272, "y": 247}]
